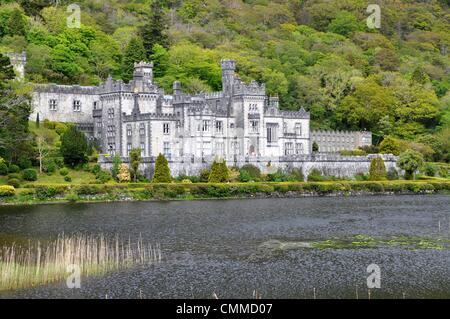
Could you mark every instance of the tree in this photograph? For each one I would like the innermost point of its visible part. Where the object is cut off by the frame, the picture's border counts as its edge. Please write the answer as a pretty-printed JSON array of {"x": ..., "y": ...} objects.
[
  {"x": 42, "y": 150},
  {"x": 315, "y": 147},
  {"x": 135, "y": 52},
  {"x": 135, "y": 160},
  {"x": 410, "y": 161},
  {"x": 124, "y": 173},
  {"x": 344, "y": 24},
  {"x": 74, "y": 147},
  {"x": 377, "y": 171},
  {"x": 219, "y": 172},
  {"x": 16, "y": 23},
  {"x": 390, "y": 145},
  {"x": 115, "y": 166},
  {"x": 152, "y": 32},
  {"x": 162, "y": 170}
]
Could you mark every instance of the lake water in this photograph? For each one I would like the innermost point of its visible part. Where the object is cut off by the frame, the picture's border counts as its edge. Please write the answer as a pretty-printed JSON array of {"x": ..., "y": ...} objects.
[{"x": 213, "y": 246}]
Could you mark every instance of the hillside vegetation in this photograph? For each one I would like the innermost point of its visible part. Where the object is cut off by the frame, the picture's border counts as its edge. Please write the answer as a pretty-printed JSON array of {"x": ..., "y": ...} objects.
[{"x": 317, "y": 54}]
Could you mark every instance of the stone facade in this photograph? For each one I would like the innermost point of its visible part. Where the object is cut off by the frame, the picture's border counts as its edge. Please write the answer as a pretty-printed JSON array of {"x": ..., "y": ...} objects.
[
  {"x": 335, "y": 141},
  {"x": 18, "y": 61},
  {"x": 239, "y": 124}
]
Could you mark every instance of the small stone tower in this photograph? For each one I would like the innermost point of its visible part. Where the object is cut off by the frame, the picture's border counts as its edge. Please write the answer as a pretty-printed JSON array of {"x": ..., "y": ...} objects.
[
  {"x": 18, "y": 61},
  {"x": 228, "y": 76},
  {"x": 143, "y": 71}
]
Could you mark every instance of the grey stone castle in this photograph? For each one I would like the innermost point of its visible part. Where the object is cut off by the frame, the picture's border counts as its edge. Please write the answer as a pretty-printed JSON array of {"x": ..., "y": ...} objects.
[{"x": 240, "y": 124}]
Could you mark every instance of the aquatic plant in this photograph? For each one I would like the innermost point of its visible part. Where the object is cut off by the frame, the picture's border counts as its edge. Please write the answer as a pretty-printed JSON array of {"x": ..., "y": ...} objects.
[{"x": 39, "y": 263}]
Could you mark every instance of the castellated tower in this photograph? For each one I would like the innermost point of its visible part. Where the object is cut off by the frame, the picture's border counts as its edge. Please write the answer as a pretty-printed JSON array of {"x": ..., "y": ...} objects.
[
  {"x": 228, "y": 77},
  {"x": 18, "y": 61},
  {"x": 143, "y": 71}
]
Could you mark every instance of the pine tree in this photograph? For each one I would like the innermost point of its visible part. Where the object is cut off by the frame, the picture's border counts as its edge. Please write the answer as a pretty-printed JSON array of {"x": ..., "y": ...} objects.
[
  {"x": 153, "y": 31},
  {"x": 74, "y": 147},
  {"x": 315, "y": 147},
  {"x": 377, "y": 171},
  {"x": 162, "y": 170},
  {"x": 135, "y": 160},
  {"x": 135, "y": 52},
  {"x": 6, "y": 69},
  {"x": 38, "y": 123},
  {"x": 115, "y": 167},
  {"x": 219, "y": 172}
]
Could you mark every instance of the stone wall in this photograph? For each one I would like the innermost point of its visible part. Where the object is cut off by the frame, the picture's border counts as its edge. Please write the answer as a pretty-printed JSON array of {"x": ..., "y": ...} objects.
[{"x": 328, "y": 164}]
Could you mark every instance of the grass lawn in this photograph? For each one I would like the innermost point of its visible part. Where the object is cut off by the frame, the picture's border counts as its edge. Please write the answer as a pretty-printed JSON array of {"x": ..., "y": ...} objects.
[{"x": 78, "y": 177}]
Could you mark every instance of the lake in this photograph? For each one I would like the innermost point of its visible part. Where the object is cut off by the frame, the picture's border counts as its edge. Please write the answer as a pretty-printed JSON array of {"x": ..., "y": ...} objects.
[{"x": 224, "y": 246}]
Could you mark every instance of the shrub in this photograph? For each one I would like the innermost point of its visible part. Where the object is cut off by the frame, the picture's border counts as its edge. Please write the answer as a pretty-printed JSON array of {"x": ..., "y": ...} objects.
[
  {"x": 74, "y": 147},
  {"x": 14, "y": 182},
  {"x": 124, "y": 173},
  {"x": 115, "y": 166},
  {"x": 49, "y": 165},
  {"x": 96, "y": 169},
  {"x": 29, "y": 174},
  {"x": 15, "y": 176},
  {"x": 278, "y": 176},
  {"x": 361, "y": 177},
  {"x": 60, "y": 128},
  {"x": 63, "y": 171},
  {"x": 296, "y": 175},
  {"x": 443, "y": 172},
  {"x": 355, "y": 152},
  {"x": 103, "y": 176},
  {"x": 186, "y": 181},
  {"x": 244, "y": 176},
  {"x": 7, "y": 190},
  {"x": 3, "y": 169},
  {"x": 162, "y": 170},
  {"x": 377, "y": 171},
  {"x": 24, "y": 163},
  {"x": 315, "y": 175},
  {"x": 46, "y": 192},
  {"x": 253, "y": 171},
  {"x": 430, "y": 169},
  {"x": 13, "y": 168},
  {"x": 204, "y": 175},
  {"x": 390, "y": 146},
  {"x": 67, "y": 178},
  {"x": 392, "y": 174},
  {"x": 219, "y": 172}
]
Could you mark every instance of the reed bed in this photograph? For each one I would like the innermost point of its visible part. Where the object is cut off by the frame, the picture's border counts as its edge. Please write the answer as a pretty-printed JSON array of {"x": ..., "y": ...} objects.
[{"x": 39, "y": 263}]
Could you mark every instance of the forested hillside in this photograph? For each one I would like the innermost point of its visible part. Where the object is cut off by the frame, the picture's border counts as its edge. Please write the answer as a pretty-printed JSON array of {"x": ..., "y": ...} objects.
[{"x": 319, "y": 54}]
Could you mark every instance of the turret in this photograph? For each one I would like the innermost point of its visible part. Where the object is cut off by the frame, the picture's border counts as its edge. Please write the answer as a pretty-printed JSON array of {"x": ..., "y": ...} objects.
[
  {"x": 228, "y": 77},
  {"x": 143, "y": 71}
]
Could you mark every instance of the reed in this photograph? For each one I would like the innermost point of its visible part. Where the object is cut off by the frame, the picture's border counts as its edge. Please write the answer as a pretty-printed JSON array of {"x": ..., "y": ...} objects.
[{"x": 38, "y": 263}]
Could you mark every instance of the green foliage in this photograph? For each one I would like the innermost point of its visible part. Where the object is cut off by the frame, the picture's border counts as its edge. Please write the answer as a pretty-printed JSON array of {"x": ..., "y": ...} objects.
[
  {"x": 315, "y": 147},
  {"x": 204, "y": 175},
  {"x": 219, "y": 172},
  {"x": 153, "y": 31},
  {"x": 74, "y": 147},
  {"x": 377, "y": 170},
  {"x": 67, "y": 178},
  {"x": 390, "y": 146},
  {"x": 250, "y": 172},
  {"x": 392, "y": 174},
  {"x": 410, "y": 161},
  {"x": 135, "y": 161},
  {"x": 162, "y": 170},
  {"x": 29, "y": 174},
  {"x": 430, "y": 169},
  {"x": 135, "y": 52},
  {"x": 49, "y": 166},
  {"x": 345, "y": 24},
  {"x": 7, "y": 191},
  {"x": 14, "y": 182},
  {"x": 115, "y": 166},
  {"x": 64, "y": 171},
  {"x": 13, "y": 168},
  {"x": 315, "y": 175},
  {"x": 278, "y": 176},
  {"x": 296, "y": 175},
  {"x": 3, "y": 169}
]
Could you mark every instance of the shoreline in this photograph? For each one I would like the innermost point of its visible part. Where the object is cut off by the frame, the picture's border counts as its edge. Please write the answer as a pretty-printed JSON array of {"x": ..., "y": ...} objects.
[{"x": 110, "y": 193}]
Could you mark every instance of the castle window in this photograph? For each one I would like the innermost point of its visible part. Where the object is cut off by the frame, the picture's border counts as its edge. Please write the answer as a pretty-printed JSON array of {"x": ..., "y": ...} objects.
[
  {"x": 288, "y": 148},
  {"x": 111, "y": 131},
  {"x": 205, "y": 126},
  {"x": 111, "y": 113},
  {"x": 284, "y": 128},
  {"x": 219, "y": 126},
  {"x": 298, "y": 148},
  {"x": 166, "y": 128},
  {"x": 254, "y": 126},
  {"x": 129, "y": 146},
  {"x": 232, "y": 125},
  {"x": 142, "y": 148},
  {"x": 235, "y": 148},
  {"x": 112, "y": 148},
  {"x": 129, "y": 130},
  {"x": 298, "y": 129},
  {"x": 53, "y": 104},
  {"x": 272, "y": 135},
  {"x": 142, "y": 129},
  {"x": 76, "y": 106},
  {"x": 207, "y": 148},
  {"x": 220, "y": 148},
  {"x": 167, "y": 149}
]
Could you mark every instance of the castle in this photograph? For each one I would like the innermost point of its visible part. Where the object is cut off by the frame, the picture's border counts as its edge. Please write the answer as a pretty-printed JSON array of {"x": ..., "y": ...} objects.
[{"x": 240, "y": 124}]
